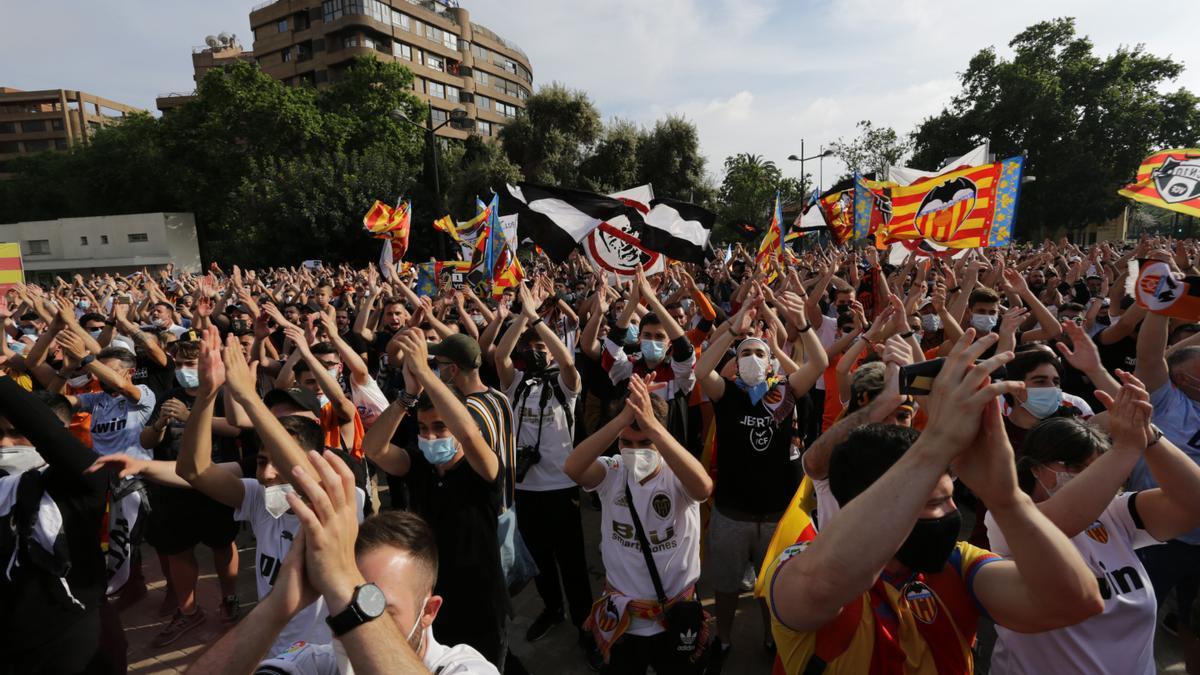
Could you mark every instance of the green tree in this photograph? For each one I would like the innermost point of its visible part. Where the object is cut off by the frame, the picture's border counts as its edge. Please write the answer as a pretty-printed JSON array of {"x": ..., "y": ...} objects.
[
  {"x": 747, "y": 193},
  {"x": 552, "y": 136},
  {"x": 669, "y": 158},
  {"x": 613, "y": 164},
  {"x": 1085, "y": 120},
  {"x": 873, "y": 150}
]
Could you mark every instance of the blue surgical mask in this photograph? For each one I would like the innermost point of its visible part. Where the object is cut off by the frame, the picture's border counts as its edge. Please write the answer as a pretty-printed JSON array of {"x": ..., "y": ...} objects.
[
  {"x": 1043, "y": 401},
  {"x": 653, "y": 351},
  {"x": 437, "y": 450},
  {"x": 983, "y": 323},
  {"x": 188, "y": 378},
  {"x": 631, "y": 334},
  {"x": 95, "y": 333},
  {"x": 84, "y": 304}
]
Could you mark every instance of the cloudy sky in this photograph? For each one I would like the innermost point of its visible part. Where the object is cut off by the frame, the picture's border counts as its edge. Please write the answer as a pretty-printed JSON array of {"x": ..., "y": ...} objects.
[{"x": 754, "y": 75}]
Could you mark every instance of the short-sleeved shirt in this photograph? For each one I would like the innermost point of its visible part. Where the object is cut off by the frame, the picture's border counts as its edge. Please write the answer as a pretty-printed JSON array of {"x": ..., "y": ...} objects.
[
  {"x": 758, "y": 467},
  {"x": 1119, "y": 641},
  {"x": 117, "y": 421},
  {"x": 150, "y": 373},
  {"x": 492, "y": 413},
  {"x": 1178, "y": 417},
  {"x": 273, "y": 539},
  {"x": 671, "y": 520},
  {"x": 304, "y": 658},
  {"x": 546, "y": 427},
  {"x": 894, "y": 619}
]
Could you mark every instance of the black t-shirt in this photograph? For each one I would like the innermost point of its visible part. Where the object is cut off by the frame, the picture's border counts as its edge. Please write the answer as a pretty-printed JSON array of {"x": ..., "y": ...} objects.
[
  {"x": 160, "y": 379},
  {"x": 377, "y": 358},
  {"x": 1120, "y": 354},
  {"x": 224, "y": 449},
  {"x": 758, "y": 470},
  {"x": 461, "y": 509}
]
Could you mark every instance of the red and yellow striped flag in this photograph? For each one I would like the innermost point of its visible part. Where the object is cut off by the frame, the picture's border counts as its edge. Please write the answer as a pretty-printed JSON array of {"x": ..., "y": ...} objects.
[
  {"x": 11, "y": 270},
  {"x": 969, "y": 208}
]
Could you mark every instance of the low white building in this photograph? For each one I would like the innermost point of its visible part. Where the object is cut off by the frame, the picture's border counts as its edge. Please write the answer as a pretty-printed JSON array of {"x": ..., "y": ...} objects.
[{"x": 114, "y": 244}]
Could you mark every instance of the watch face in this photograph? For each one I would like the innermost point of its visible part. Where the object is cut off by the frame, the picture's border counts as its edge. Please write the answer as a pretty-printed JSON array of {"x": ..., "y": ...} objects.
[{"x": 370, "y": 600}]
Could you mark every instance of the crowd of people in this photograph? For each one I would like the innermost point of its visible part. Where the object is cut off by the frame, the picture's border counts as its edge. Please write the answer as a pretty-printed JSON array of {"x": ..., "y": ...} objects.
[{"x": 1001, "y": 438}]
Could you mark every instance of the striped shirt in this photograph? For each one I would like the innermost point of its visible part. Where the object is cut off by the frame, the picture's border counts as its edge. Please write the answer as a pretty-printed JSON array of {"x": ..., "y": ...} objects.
[{"x": 493, "y": 414}]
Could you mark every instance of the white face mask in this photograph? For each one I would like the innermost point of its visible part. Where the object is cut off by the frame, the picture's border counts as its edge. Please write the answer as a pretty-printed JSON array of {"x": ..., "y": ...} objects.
[
  {"x": 752, "y": 369},
  {"x": 983, "y": 323},
  {"x": 931, "y": 322},
  {"x": 19, "y": 458},
  {"x": 275, "y": 499},
  {"x": 640, "y": 462},
  {"x": 80, "y": 380},
  {"x": 1061, "y": 478}
]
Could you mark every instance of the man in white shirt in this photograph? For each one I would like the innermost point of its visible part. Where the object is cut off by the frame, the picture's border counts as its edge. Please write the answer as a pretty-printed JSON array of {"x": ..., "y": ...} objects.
[{"x": 667, "y": 485}]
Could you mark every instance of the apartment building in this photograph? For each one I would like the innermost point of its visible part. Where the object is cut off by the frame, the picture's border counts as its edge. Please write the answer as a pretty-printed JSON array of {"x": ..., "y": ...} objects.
[
  {"x": 218, "y": 51},
  {"x": 456, "y": 63},
  {"x": 51, "y": 119}
]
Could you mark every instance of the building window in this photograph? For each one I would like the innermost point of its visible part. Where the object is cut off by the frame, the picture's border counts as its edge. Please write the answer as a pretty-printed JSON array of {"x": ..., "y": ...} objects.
[
  {"x": 33, "y": 126},
  {"x": 401, "y": 50},
  {"x": 453, "y": 93},
  {"x": 286, "y": 55},
  {"x": 36, "y": 146},
  {"x": 506, "y": 109},
  {"x": 435, "y": 62},
  {"x": 481, "y": 77},
  {"x": 138, "y": 237},
  {"x": 401, "y": 20},
  {"x": 83, "y": 241},
  {"x": 483, "y": 102},
  {"x": 37, "y": 247},
  {"x": 281, "y": 26},
  {"x": 332, "y": 10},
  {"x": 9, "y": 148},
  {"x": 432, "y": 33},
  {"x": 450, "y": 40},
  {"x": 484, "y": 128},
  {"x": 8, "y": 128},
  {"x": 60, "y": 144},
  {"x": 439, "y": 116},
  {"x": 437, "y": 90},
  {"x": 304, "y": 51},
  {"x": 103, "y": 239},
  {"x": 56, "y": 124},
  {"x": 302, "y": 21}
]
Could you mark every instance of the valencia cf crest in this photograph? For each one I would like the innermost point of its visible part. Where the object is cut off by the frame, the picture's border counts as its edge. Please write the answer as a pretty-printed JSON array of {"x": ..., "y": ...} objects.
[
  {"x": 1178, "y": 181},
  {"x": 921, "y": 602},
  {"x": 661, "y": 504},
  {"x": 1156, "y": 288},
  {"x": 1098, "y": 533},
  {"x": 945, "y": 208}
]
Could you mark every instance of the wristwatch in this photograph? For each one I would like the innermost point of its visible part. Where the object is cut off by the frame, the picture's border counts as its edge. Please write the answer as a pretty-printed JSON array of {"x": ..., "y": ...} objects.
[{"x": 366, "y": 604}]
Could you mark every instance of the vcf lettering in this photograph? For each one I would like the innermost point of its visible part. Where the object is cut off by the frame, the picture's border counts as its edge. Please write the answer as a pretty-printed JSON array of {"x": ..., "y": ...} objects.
[{"x": 626, "y": 531}]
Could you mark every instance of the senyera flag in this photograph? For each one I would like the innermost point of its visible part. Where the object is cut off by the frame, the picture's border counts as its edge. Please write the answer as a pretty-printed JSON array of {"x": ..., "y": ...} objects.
[
  {"x": 1161, "y": 292},
  {"x": 771, "y": 248},
  {"x": 972, "y": 207},
  {"x": 12, "y": 272},
  {"x": 391, "y": 225},
  {"x": 1169, "y": 179}
]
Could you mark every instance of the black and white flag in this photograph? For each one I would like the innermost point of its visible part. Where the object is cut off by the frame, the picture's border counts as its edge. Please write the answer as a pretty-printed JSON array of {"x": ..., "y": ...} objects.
[
  {"x": 679, "y": 230},
  {"x": 557, "y": 219}
]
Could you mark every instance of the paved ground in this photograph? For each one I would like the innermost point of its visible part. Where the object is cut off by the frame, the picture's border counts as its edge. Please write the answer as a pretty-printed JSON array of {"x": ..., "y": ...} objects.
[{"x": 556, "y": 654}]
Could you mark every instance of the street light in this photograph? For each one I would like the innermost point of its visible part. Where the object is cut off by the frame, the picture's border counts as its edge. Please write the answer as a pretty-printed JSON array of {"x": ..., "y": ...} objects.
[
  {"x": 457, "y": 119},
  {"x": 802, "y": 159}
]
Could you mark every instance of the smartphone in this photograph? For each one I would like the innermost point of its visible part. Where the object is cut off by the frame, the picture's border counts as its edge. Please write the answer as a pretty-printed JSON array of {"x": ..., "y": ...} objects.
[
  {"x": 457, "y": 280},
  {"x": 917, "y": 379},
  {"x": 124, "y": 299}
]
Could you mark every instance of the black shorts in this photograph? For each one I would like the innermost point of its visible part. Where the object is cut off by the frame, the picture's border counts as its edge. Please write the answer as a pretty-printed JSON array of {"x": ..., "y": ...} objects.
[{"x": 180, "y": 519}]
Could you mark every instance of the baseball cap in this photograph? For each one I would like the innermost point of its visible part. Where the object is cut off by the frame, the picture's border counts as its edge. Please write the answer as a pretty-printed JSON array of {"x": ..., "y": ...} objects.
[
  {"x": 461, "y": 349},
  {"x": 123, "y": 343},
  {"x": 301, "y": 398}
]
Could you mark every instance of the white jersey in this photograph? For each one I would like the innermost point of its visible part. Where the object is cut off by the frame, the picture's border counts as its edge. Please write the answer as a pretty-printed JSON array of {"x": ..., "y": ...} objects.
[
  {"x": 117, "y": 422},
  {"x": 827, "y": 334},
  {"x": 303, "y": 658},
  {"x": 1120, "y": 641},
  {"x": 557, "y": 437},
  {"x": 671, "y": 519},
  {"x": 273, "y": 539}
]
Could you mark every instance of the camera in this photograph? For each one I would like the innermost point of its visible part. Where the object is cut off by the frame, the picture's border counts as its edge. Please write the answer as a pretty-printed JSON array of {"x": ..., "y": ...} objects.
[{"x": 527, "y": 456}]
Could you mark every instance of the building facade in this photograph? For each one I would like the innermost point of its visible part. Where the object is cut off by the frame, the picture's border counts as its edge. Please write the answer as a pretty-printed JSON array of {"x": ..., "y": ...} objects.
[
  {"x": 114, "y": 244},
  {"x": 218, "y": 51},
  {"x": 456, "y": 64},
  {"x": 52, "y": 119}
]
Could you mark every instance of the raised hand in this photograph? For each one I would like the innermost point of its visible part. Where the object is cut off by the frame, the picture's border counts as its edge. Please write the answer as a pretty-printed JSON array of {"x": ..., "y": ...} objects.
[
  {"x": 238, "y": 375},
  {"x": 175, "y": 409},
  {"x": 210, "y": 366},
  {"x": 126, "y": 465},
  {"x": 961, "y": 391},
  {"x": 1082, "y": 355},
  {"x": 329, "y": 516},
  {"x": 1012, "y": 318},
  {"x": 298, "y": 338},
  {"x": 72, "y": 345}
]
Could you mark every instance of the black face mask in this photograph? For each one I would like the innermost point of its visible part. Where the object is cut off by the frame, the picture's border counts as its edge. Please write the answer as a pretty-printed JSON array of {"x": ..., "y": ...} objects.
[
  {"x": 535, "y": 361},
  {"x": 930, "y": 543}
]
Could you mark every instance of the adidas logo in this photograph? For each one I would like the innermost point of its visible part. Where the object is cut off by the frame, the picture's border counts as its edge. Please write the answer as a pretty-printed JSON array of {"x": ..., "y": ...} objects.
[{"x": 688, "y": 641}]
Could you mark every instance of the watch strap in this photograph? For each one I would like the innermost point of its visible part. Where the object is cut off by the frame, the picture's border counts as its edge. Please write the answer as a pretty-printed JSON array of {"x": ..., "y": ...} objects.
[
  {"x": 87, "y": 360},
  {"x": 350, "y": 618}
]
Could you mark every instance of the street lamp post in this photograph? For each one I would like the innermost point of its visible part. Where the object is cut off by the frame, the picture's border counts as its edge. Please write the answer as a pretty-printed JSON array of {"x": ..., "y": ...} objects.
[
  {"x": 802, "y": 159},
  {"x": 457, "y": 119}
]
